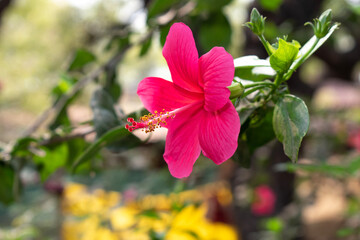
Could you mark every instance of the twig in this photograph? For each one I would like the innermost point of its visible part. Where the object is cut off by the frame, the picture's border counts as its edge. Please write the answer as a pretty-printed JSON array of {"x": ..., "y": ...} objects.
[{"x": 60, "y": 139}]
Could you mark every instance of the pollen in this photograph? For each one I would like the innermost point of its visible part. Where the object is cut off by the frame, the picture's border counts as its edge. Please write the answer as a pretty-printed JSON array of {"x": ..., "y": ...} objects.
[{"x": 150, "y": 122}]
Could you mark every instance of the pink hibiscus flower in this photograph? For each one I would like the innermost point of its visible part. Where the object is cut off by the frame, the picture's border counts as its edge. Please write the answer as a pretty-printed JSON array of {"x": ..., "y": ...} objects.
[
  {"x": 195, "y": 106},
  {"x": 264, "y": 202}
]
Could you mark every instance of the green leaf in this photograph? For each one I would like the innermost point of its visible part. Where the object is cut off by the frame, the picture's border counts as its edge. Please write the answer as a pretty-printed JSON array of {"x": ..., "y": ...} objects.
[
  {"x": 105, "y": 116},
  {"x": 158, "y": 7},
  {"x": 145, "y": 47},
  {"x": 211, "y": 5},
  {"x": 7, "y": 174},
  {"x": 290, "y": 123},
  {"x": 51, "y": 160},
  {"x": 261, "y": 132},
  {"x": 81, "y": 58},
  {"x": 250, "y": 61},
  {"x": 216, "y": 31},
  {"x": 284, "y": 56},
  {"x": 115, "y": 134},
  {"x": 271, "y": 5},
  {"x": 164, "y": 30}
]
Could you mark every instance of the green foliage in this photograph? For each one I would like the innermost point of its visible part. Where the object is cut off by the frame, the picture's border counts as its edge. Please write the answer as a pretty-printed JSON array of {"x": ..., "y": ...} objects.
[
  {"x": 215, "y": 31},
  {"x": 81, "y": 58},
  {"x": 284, "y": 56},
  {"x": 291, "y": 122},
  {"x": 7, "y": 174},
  {"x": 145, "y": 47},
  {"x": 50, "y": 159},
  {"x": 158, "y": 7},
  {"x": 271, "y": 5},
  {"x": 211, "y": 5}
]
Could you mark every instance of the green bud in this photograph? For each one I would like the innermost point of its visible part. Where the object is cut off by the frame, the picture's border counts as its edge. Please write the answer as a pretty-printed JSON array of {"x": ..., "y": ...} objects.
[
  {"x": 236, "y": 90},
  {"x": 257, "y": 22},
  {"x": 321, "y": 25}
]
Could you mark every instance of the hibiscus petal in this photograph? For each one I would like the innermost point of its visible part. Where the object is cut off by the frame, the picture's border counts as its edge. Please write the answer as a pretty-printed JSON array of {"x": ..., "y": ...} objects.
[
  {"x": 182, "y": 57},
  {"x": 219, "y": 132},
  {"x": 182, "y": 146},
  {"x": 217, "y": 72},
  {"x": 158, "y": 94}
]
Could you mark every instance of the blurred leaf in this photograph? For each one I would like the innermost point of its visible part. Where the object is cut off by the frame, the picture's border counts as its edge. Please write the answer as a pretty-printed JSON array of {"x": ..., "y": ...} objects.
[
  {"x": 262, "y": 132},
  {"x": 81, "y": 58},
  {"x": 7, "y": 174},
  {"x": 21, "y": 147},
  {"x": 158, "y": 7},
  {"x": 334, "y": 170},
  {"x": 105, "y": 116},
  {"x": 211, "y": 5},
  {"x": 345, "y": 232},
  {"x": 216, "y": 31},
  {"x": 284, "y": 56},
  {"x": 290, "y": 123},
  {"x": 115, "y": 134},
  {"x": 271, "y": 5},
  {"x": 145, "y": 47},
  {"x": 64, "y": 84},
  {"x": 150, "y": 214},
  {"x": 112, "y": 86},
  {"x": 51, "y": 160},
  {"x": 274, "y": 225},
  {"x": 105, "y": 119},
  {"x": 164, "y": 30}
]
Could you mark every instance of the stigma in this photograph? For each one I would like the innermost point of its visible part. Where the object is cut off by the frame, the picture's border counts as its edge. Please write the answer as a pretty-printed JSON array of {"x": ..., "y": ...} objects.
[{"x": 150, "y": 122}]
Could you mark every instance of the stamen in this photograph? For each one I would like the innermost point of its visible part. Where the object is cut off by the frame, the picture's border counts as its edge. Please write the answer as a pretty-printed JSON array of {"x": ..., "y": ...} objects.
[{"x": 150, "y": 122}]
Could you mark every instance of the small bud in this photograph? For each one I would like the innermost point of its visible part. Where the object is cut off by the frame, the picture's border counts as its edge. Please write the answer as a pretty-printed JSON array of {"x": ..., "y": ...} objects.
[
  {"x": 257, "y": 22},
  {"x": 236, "y": 90},
  {"x": 321, "y": 25}
]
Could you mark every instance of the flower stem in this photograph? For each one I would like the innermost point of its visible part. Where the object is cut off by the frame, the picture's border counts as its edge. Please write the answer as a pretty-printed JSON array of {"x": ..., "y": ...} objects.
[
  {"x": 266, "y": 44},
  {"x": 259, "y": 84},
  {"x": 251, "y": 91}
]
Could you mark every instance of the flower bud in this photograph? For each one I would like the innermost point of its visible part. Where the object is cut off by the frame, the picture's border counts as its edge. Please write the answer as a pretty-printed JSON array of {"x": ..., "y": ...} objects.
[
  {"x": 257, "y": 22},
  {"x": 321, "y": 25}
]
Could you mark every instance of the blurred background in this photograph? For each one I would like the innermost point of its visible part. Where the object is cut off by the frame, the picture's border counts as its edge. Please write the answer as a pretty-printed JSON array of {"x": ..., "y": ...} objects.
[{"x": 69, "y": 71}]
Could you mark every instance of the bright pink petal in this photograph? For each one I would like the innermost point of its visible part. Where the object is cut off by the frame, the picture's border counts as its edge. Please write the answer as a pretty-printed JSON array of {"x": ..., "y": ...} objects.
[
  {"x": 182, "y": 57},
  {"x": 219, "y": 132},
  {"x": 182, "y": 146},
  {"x": 158, "y": 94},
  {"x": 217, "y": 71}
]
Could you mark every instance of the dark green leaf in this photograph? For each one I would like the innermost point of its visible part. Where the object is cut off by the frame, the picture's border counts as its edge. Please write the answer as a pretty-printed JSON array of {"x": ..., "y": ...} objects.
[
  {"x": 211, "y": 5},
  {"x": 145, "y": 47},
  {"x": 21, "y": 147},
  {"x": 105, "y": 116},
  {"x": 284, "y": 56},
  {"x": 260, "y": 133},
  {"x": 158, "y": 7},
  {"x": 81, "y": 58},
  {"x": 164, "y": 30},
  {"x": 242, "y": 155},
  {"x": 51, "y": 159},
  {"x": 216, "y": 31},
  {"x": 7, "y": 175},
  {"x": 290, "y": 123},
  {"x": 112, "y": 86}
]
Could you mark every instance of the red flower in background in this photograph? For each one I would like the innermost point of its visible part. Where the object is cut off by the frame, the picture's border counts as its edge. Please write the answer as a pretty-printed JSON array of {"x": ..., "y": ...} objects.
[
  {"x": 354, "y": 140},
  {"x": 264, "y": 201}
]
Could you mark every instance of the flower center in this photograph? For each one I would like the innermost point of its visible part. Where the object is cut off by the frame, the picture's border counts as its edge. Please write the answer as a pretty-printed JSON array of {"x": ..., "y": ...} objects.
[{"x": 150, "y": 122}]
